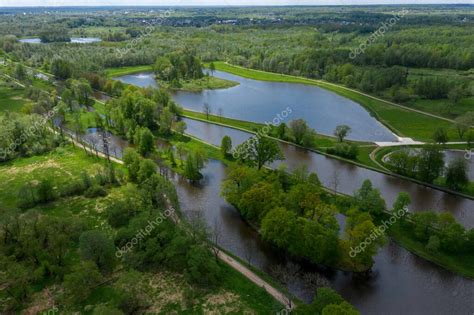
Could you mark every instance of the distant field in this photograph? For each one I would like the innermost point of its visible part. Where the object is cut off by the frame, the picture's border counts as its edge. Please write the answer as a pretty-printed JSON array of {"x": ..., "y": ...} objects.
[
  {"x": 401, "y": 121},
  {"x": 115, "y": 72},
  {"x": 11, "y": 99}
]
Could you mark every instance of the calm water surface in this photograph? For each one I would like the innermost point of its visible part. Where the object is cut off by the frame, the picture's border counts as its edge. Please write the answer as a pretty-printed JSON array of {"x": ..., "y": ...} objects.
[
  {"x": 401, "y": 282},
  {"x": 77, "y": 40},
  {"x": 261, "y": 101}
]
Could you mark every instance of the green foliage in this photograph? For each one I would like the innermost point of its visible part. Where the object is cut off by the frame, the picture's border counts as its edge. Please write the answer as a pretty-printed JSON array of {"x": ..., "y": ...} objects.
[
  {"x": 97, "y": 247},
  {"x": 456, "y": 174},
  {"x": 341, "y": 132},
  {"x": 81, "y": 281},
  {"x": 226, "y": 145},
  {"x": 368, "y": 199},
  {"x": 258, "y": 151}
]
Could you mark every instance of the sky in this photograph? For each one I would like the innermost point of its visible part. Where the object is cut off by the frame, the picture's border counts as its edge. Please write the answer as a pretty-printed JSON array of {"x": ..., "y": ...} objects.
[{"x": 20, "y": 3}]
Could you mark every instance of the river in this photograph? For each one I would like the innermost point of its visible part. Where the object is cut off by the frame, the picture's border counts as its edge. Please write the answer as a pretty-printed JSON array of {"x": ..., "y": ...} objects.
[{"x": 401, "y": 283}]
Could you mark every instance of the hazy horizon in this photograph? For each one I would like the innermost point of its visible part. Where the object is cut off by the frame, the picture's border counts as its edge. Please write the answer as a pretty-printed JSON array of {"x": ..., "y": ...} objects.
[{"x": 137, "y": 3}]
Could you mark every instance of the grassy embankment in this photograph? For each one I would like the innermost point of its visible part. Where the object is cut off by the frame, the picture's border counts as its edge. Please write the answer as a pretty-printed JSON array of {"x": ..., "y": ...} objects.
[
  {"x": 401, "y": 121},
  {"x": 235, "y": 292},
  {"x": 458, "y": 264},
  {"x": 206, "y": 83}
]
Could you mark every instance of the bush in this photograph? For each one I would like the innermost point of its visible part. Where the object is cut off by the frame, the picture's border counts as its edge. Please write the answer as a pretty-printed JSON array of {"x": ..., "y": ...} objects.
[
  {"x": 345, "y": 150},
  {"x": 95, "y": 191}
]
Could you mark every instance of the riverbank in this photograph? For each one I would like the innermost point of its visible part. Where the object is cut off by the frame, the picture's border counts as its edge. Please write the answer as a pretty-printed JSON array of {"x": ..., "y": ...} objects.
[{"x": 402, "y": 120}]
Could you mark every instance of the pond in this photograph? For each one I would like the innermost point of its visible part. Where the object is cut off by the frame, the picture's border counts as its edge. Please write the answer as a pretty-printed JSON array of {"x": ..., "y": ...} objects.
[
  {"x": 77, "y": 40},
  {"x": 261, "y": 101}
]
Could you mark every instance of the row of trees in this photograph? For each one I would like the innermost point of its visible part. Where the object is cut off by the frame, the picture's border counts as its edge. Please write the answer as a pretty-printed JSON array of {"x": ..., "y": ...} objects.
[
  {"x": 178, "y": 66},
  {"x": 428, "y": 164}
]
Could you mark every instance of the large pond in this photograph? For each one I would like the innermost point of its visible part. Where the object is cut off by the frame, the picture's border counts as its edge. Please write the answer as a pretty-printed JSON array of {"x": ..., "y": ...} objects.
[
  {"x": 401, "y": 283},
  {"x": 77, "y": 40},
  {"x": 261, "y": 101}
]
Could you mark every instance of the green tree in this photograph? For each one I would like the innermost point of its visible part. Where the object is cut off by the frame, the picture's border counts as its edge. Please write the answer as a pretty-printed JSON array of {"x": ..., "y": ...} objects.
[
  {"x": 299, "y": 128},
  {"x": 456, "y": 174},
  {"x": 226, "y": 145},
  {"x": 259, "y": 151},
  {"x": 369, "y": 199},
  {"x": 195, "y": 161},
  {"x": 440, "y": 136},
  {"x": 341, "y": 132},
  {"x": 134, "y": 292},
  {"x": 147, "y": 169},
  {"x": 80, "y": 283},
  {"x": 146, "y": 143},
  {"x": 97, "y": 247},
  {"x": 430, "y": 163},
  {"x": 131, "y": 161},
  {"x": 279, "y": 227},
  {"x": 464, "y": 123}
]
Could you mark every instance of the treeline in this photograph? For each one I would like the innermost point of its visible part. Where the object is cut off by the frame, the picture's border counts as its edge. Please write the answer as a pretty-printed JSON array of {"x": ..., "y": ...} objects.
[{"x": 428, "y": 164}]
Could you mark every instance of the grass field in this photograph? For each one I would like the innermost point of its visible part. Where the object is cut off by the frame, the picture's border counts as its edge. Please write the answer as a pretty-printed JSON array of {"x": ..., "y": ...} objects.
[
  {"x": 115, "y": 72},
  {"x": 401, "y": 121},
  {"x": 11, "y": 99}
]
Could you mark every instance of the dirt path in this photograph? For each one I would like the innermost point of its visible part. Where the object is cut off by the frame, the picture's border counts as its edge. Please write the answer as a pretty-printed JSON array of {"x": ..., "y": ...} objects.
[
  {"x": 283, "y": 299},
  {"x": 275, "y": 293}
]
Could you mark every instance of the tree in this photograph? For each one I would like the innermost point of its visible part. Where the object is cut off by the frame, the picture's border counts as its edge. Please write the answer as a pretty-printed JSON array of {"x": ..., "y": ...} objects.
[
  {"x": 402, "y": 202},
  {"x": 440, "y": 136},
  {"x": 369, "y": 199},
  {"x": 430, "y": 163},
  {"x": 97, "y": 247},
  {"x": 166, "y": 121},
  {"x": 279, "y": 227},
  {"x": 226, "y": 145},
  {"x": 341, "y": 132},
  {"x": 299, "y": 128},
  {"x": 464, "y": 123},
  {"x": 206, "y": 110},
  {"x": 147, "y": 169},
  {"x": 180, "y": 127},
  {"x": 195, "y": 161},
  {"x": 212, "y": 68},
  {"x": 61, "y": 69},
  {"x": 131, "y": 161},
  {"x": 456, "y": 174},
  {"x": 202, "y": 269},
  {"x": 146, "y": 142},
  {"x": 20, "y": 72},
  {"x": 80, "y": 283},
  {"x": 259, "y": 151},
  {"x": 134, "y": 292}
]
